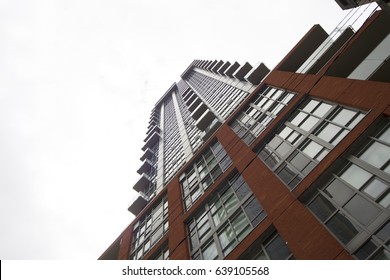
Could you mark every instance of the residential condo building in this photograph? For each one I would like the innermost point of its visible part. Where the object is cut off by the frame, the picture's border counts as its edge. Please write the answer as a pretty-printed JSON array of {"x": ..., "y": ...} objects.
[{"x": 241, "y": 162}]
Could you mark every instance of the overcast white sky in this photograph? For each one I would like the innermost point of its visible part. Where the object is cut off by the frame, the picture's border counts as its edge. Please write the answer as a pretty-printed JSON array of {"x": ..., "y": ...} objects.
[{"x": 78, "y": 79}]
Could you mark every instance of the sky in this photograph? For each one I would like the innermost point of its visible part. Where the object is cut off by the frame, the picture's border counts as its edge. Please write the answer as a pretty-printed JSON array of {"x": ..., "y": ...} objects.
[{"x": 78, "y": 79}]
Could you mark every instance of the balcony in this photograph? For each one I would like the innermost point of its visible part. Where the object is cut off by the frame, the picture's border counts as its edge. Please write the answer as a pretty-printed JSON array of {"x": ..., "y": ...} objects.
[
  {"x": 242, "y": 71},
  {"x": 205, "y": 120},
  {"x": 142, "y": 183},
  {"x": 224, "y": 67},
  {"x": 194, "y": 104},
  {"x": 257, "y": 74},
  {"x": 148, "y": 154},
  {"x": 138, "y": 205},
  {"x": 217, "y": 66},
  {"x": 191, "y": 99},
  {"x": 151, "y": 141},
  {"x": 230, "y": 71},
  {"x": 145, "y": 167},
  {"x": 199, "y": 111},
  {"x": 215, "y": 124},
  {"x": 151, "y": 130}
]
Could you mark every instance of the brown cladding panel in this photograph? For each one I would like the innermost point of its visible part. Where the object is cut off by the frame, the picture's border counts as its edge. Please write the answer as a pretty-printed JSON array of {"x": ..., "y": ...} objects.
[{"x": 305, "y": 236}]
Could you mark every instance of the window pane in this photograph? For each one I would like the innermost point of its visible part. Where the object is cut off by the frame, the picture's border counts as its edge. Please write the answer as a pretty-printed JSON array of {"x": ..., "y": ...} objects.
[
  {"x": 275, "y": 142},
  {"x": 357, "y": 119},
  {"x": 310, "y": 106},
  {"x": 241, "y": 224},
  {"x": 338, "y": 192},
  {"x": 300, "y": 161},
  {"x": 261, "y": 256},
  {"x": 329, "y": 132},
  {"x": 219, "y": 216},
  {"x": 385, "y": 202},
  {"x": 377, "y": 154},
  {"x": 312, "y": 149},
  {"x": 375, "y": 188},
  {"x": 383, "y": 255},
  {"x": 323, "y": 154},
  {"x": 339, "y": 137},
  {"x": 226, "y": 237},
  {"x": 293, "y": 137},
  {"x": 210, "y": 252},
  {"x": 322, "y": 109},
  {"x": 277, "y": 249},
  {"x": 157, "y": 235},
  {"x": 242, "y": 191},
  {"x": 356, "y": 176},
  {"x": 216, "y": 172},
  {"x": 363, "y": 210},
  {"x": 343, "y": 116},
  {"x": 366, "y": 250},
  {"x": 322, "y": 207},
  {"x": 283, "y": 149},
  {"x": 308, "y": 168},
  {"x": 384, "y": 233},
  {"x": 344, "y": 229},
  {"x": 253, "y": 209},
  {"x": 231, "y": 204},
  {"x": 309, "y": 123},
  {"x": 285, "y": 132},
  {"x": 385, "y": 136},
  {"x": 286, "y": 174},
  {"x": 299, "y": 118},
  {"x": 272, "y": 160}
]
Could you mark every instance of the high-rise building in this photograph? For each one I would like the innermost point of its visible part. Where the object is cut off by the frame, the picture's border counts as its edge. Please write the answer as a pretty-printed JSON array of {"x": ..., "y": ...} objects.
[
  {"x": 243, "y": 163},
  {"x": 350, "y": 4}
]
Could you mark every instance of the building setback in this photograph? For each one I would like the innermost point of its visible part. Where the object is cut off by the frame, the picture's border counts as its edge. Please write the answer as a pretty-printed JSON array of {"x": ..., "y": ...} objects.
[{"x": 243, "y": 163}]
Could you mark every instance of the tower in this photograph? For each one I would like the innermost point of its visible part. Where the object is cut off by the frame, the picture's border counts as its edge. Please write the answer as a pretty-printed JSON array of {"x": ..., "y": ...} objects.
[{"x": 245, "y": 163}]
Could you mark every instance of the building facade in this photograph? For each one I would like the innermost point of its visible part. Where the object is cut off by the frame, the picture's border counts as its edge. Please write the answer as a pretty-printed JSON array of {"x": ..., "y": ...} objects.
[{"x": 245, "y": 163}]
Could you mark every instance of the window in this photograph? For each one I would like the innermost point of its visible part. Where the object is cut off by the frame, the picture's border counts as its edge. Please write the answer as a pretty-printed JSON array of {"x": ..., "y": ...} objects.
[
  {"x": 266, "y": 106},
  {"x": 149, "y": 229},
  {"x": 162, "y": 253},
  {"x": 378, "y": 246},
  {"x": 203, "y": 173},
  {"x": 355, "y": 199},
  {"x": 373, "y": 62},
  {"x": 270, "y": 247},
  {"x": 306, "y": 138},
  {"x": 224, "y": 221}
]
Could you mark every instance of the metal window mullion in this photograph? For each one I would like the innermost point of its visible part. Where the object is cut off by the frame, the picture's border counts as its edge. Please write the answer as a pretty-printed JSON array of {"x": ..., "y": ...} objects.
[
  {"x": 381, "y": 141},
  {"x": 321, "y": 142},
  {"x": 371, "y": 169},
  {"x": 284, "y": 158},
  {"x": 335, "y": 205}
]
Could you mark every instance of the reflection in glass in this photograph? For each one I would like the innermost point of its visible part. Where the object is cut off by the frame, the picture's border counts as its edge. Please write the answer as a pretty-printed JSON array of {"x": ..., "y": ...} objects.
[
  {"x": 309, "y": 123},
  {"x": 344, "y": 116},
  {"x": 312, "y": 149},
  {"x": 322, "y": 207},
  {"x": 210, "y": 252},
  {"x": 363, "y": 210},
  {"x": 338, "y": 192},
  {"x": 355, "y": 176},
  {"x": 344, "y": 229},
  {"x": 328, "y": 132},
  {"x": 277, "y": 249},
  {"x": 375, "y": 188},
  {"x": 377, "y": 154}
]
